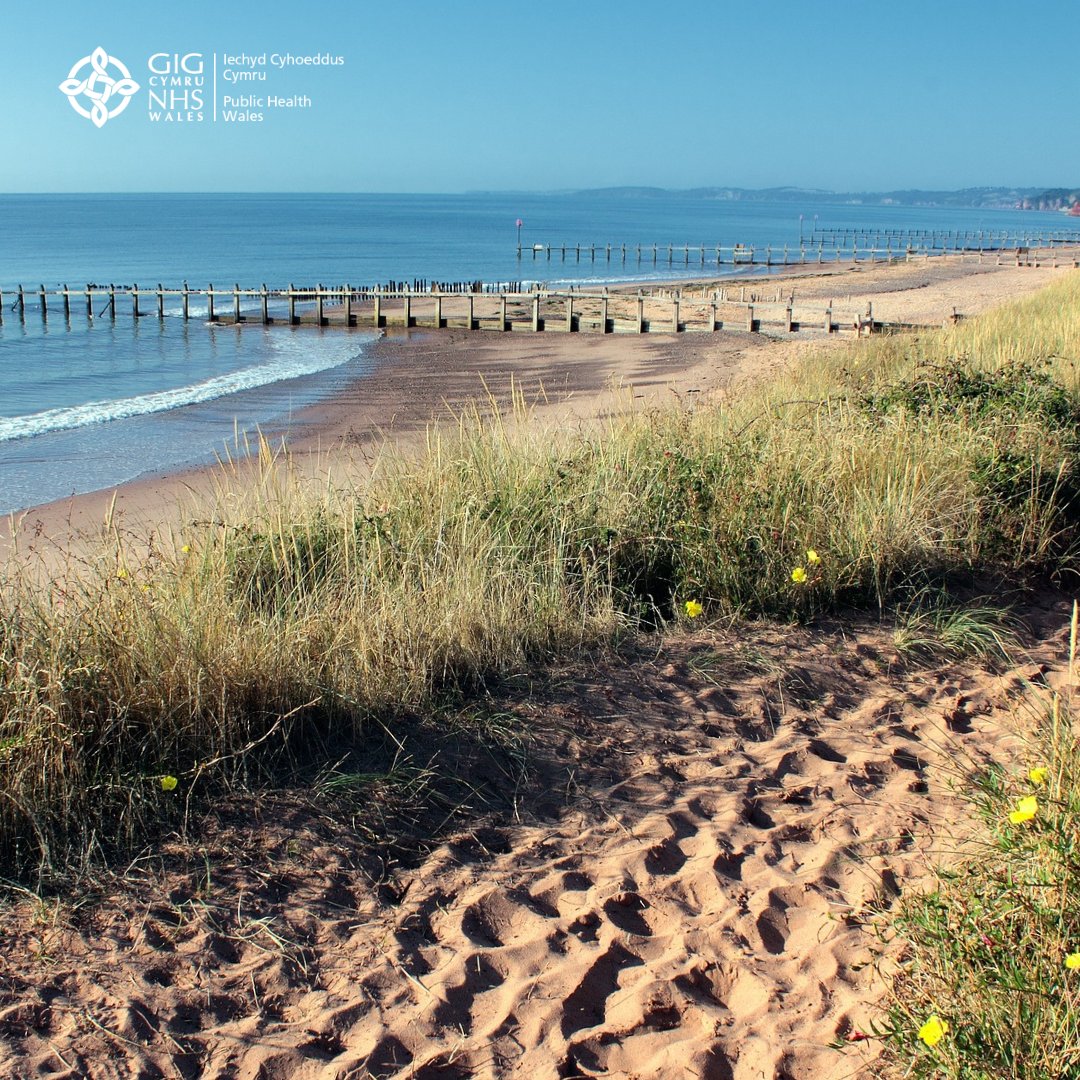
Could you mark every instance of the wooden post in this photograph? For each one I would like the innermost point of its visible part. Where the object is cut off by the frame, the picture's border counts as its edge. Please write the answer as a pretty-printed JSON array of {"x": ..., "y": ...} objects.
[
  {"x": 112, "y": 301},
  {"x": 319, "y": 306},
  {"x": 210, "y": 303},
  {"x": 828, "y": 320},
  {"x": 603, "y": 315},
  {"x": 438, "y": 310},
  {"x": 89, "y": 303},
  {"x": 470, "y": 323},
  {"x": 135, "y": 312},
  {"x": 503, "y": 324},
  {"x": 186, "y": 300},
  {"x": 675, "y": 314},
  {"x": 788, "y": 323},
  {"x": 44, "y": 302},
  {"x": 1, "y": 307},
  {"x": 160, "y": 301},
  {"x": 712, "y": 320},
  {"x": 750, "y": 317},
  {"x": 640, "y": 313},
  {"x": 67, "y": 302},
  {"x": 292, "y": 305},
  {"x": 378, "y": 309},
  {"x": 347, "y": 297},
  {"x": 406, "y": 308},
  {"x": 569, "y": 313},
  {"x": 536, "y": 313},
  {"x": 20, "y": 302},
  {"x": 265, "y": 305}
]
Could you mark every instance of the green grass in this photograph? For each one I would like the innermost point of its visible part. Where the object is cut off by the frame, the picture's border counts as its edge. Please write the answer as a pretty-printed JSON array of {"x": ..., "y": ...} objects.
[
  {"x": 987, "y": 947},
  {"x": 305, "y": 619}
]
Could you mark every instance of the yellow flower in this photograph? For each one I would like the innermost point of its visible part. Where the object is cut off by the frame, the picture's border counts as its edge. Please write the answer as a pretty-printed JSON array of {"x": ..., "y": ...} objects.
[
  {"x": 1072, "y": 961},
  {"x": 933, "y": 1031},
  {"x": 168, "y": 783},
  {"x": 121, "y": 573},
  {"x": 798, "y": 575},
  {"x": 693, "y": 609},
  {"x": 1025, "y": 810},
  {"x": 1039, "y": 774},
  {"x": 812, "y": 557},
  {"x": 186, "y": 549}
]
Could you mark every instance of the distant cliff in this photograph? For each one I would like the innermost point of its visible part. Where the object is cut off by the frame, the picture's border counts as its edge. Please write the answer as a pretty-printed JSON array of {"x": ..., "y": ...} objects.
[{"x": 1053, "y": 199}]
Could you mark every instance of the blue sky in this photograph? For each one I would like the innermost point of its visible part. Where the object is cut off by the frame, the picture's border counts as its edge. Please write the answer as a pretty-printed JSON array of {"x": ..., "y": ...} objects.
[{"x": 437, "y": 97}]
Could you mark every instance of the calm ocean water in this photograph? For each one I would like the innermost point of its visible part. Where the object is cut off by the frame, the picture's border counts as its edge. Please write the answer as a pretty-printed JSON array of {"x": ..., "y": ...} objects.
[{"x": 87, "y": 405}]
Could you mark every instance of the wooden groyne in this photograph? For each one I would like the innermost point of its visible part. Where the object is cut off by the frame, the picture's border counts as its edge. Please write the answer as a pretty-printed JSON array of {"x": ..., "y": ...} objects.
[
  {"x": 665, "y": 310},
  {"x": 834, "y": 246},
  {"x": 474, "y": 305}
]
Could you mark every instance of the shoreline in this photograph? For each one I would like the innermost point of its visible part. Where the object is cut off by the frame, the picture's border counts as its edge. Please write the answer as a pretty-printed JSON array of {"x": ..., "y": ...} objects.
[{"x": 419, "y": 375}]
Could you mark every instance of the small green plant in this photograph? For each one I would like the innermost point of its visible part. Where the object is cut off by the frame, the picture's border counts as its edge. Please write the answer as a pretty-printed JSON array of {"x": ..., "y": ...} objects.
[
  {"x": 994, "y": 949},
  {"x": 934, "y": 625}
]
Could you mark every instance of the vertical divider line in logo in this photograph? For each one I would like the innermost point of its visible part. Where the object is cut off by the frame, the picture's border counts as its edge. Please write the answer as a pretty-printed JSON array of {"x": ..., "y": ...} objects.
[{"x": 215, "y": 88}]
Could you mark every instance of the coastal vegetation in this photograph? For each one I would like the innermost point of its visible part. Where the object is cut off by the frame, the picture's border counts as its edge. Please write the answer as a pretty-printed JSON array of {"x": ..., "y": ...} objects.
[{"x": 294, "y": 623}]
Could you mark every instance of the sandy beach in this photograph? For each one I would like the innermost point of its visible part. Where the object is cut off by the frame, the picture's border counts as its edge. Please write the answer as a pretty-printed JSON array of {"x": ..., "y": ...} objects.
[
  {"x": 420, "y": 375},
  {"x": 674, "y": 867}
]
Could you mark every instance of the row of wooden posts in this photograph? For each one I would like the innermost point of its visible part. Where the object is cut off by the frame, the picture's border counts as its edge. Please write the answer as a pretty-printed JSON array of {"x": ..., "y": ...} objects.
[
  {"x": 742, "y": 255},
  {"x": 401, "y": 308},
  {"x": 941, "y": 239}
]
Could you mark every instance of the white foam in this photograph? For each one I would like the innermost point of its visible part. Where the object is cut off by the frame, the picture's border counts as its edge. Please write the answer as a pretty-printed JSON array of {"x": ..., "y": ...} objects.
[{"x": 295, "y": 363}]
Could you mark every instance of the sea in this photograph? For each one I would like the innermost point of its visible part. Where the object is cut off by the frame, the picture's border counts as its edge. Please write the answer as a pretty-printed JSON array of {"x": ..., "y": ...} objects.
[{"x": 89, "y": 403}]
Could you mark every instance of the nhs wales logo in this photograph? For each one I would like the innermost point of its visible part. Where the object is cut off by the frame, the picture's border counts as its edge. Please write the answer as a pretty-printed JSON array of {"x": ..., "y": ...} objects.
[{"x": 99, "y": 87}]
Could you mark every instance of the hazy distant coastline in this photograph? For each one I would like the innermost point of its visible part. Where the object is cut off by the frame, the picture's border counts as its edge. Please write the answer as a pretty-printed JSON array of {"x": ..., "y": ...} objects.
[{"x": 992, "y": 198}]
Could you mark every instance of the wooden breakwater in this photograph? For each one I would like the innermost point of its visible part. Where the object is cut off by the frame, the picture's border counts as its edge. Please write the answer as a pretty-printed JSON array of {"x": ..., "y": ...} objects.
[
  {"x": 474, "y": 305},
  {"x": 820, "y": 248},
  {"x": 664, "y": 310}
]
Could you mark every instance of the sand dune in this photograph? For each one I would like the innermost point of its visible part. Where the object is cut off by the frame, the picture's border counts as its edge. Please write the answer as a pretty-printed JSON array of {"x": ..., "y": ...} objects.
[{"x": 687, "y": 890}]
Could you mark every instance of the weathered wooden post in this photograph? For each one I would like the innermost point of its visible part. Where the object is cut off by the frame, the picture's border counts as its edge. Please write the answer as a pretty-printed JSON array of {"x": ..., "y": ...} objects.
[
  {"x": 135, "y": 312},
  {"x": 236, "y": 302},
  {"x": 292, "y": 305},
  {"x": 347, "y": 297},
  {"x": 536, "y": 313},
  {"x": 470, "y": 322},
  {"x": 828, "y": 320},
  {"x": 378, "y": 308},
  {"x": 160, "y": 301},
  {"x": 186, "y": 300},
  {"x": 750, "y": 318},
  {"x": 406, "y": 308},
  {"x": 44, "y": 302},
  {"x": 712, "y": 317},
  {"x": 640, "y": 313},
  {"x": 503, "y": 324},
  {"x": 569, "y": 313},
  {"x": 319, "y": 321},
  {"x": 1, "y": 307},
  {"x": 112, "y": 301},
  {"x": 603, "y": 315},
  {"x": 675, "y": 314},
  {"x": 89, "y": 302},
  {"x": 265, "y": 305},
  {"x": 67, "y": 302},
  {"x": 788, "y": 321}
]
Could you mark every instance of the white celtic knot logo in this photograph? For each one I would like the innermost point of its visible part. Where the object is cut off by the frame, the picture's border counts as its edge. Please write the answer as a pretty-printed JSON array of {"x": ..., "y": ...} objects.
[{"x": 99, "y": 87}]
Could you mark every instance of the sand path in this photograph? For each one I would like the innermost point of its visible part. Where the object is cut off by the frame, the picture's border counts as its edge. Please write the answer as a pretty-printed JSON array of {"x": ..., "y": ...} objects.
[{"x": 682, "y": 886}]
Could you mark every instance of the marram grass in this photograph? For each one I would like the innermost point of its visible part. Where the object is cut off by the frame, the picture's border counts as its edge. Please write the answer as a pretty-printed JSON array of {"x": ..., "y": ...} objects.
[{"x": 301, "y": 618}]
